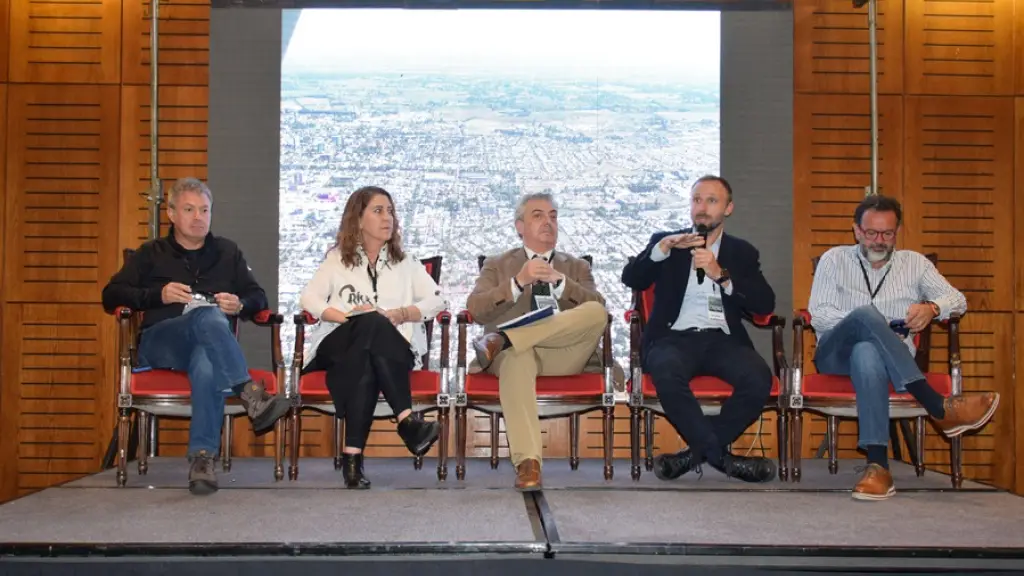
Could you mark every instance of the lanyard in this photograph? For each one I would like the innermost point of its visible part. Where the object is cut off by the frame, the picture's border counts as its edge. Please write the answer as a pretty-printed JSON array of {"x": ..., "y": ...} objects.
[
  {"x": 868, "y": 282},
  {"x": 373, "y": 280}
]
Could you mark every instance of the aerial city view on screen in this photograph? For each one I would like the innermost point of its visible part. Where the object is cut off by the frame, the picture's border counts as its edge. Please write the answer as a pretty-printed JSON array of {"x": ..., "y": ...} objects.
[{"x": 616, "y": 113}]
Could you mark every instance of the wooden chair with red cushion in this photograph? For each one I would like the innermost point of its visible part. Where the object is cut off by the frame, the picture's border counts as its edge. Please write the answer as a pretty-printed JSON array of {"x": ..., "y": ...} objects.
[
  {"x": 557, "y": 397},
  {"x": 834, "y": 398},
  {"x": 148, "y": 392},
  {"x": 429, "y": 389},
  {"x": 711, "y": 392}
]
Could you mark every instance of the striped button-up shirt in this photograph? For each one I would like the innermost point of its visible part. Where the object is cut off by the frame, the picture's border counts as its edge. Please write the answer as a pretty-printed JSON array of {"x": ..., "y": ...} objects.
[{"x": 907, "y": 278}]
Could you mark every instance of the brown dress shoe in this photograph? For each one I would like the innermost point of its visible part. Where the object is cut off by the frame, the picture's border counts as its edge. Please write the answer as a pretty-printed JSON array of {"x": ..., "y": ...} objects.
[
  {"x": 967, "y": 412},
  {"x": 487, "y": 348},
  {"x": 528, "y": 475},
  {"x": 875, "y": 484}
]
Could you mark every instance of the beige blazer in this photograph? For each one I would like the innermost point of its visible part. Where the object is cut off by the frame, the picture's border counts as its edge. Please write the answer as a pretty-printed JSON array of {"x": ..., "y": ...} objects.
[{"x": 491, "y": 301}]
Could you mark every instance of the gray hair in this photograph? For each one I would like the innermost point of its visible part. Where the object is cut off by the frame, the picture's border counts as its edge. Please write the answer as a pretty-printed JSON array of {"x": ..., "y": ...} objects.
[
  {"x": 521, "y": 207},
  {"x": 188, "y": 185}
]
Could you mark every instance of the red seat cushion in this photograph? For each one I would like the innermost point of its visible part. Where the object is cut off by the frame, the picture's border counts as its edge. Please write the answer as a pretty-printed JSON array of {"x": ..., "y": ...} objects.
[
  {"x": 841, "y": 387},
  {"x": 175, "y": 383},
  {"x": 422, "y": 383},
  {"x": 705, "y": 387},
  {"x": 590, "y": 384}
]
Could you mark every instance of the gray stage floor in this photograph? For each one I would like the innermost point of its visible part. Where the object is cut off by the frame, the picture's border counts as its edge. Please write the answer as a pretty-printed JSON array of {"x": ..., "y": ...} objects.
[{"x": 576, "y": 507}]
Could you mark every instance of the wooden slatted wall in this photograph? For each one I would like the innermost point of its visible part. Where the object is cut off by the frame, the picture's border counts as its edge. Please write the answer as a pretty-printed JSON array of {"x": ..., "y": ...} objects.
[{"x": 947, "y": 111}]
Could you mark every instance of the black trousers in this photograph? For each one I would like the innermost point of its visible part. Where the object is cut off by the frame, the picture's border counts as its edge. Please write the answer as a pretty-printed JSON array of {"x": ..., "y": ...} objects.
[
  {"x": 364, "y": 358},
  {"x": 674, "y": 360}
]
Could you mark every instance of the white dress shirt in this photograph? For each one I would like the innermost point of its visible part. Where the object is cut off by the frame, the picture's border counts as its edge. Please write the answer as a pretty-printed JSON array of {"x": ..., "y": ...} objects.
[
  {"x": 555, "y": 291},
  {"x": 406, "y": 283},
  {"x": 694, "y": 311},
  {"x": 907, "y": 278}
]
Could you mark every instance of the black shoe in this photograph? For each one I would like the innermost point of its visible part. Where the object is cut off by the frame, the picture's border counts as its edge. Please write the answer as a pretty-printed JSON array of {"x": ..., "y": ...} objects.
[
  {"x": 747, "y": 468},
  {"x": 202, "y": 476},
  {"x": 352, "y": 472},
  {"x": 672, "y": 466},
  {"x": 417, "y": 434}
]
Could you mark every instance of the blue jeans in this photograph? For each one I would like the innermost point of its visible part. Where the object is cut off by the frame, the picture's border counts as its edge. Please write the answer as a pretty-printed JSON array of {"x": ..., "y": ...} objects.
[
  {"x": 864, "y": 347},
  {"x": 202, "y": 344}
]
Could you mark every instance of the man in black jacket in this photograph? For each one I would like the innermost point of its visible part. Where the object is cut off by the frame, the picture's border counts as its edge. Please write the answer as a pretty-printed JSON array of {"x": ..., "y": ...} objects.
[
  {"x": 703, "y": 288},
  {"x": 192, "y": 288}
]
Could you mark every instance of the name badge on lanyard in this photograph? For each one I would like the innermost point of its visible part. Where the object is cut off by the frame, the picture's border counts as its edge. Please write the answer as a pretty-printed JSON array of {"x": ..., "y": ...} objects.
[{"x": 716, "y": 312}]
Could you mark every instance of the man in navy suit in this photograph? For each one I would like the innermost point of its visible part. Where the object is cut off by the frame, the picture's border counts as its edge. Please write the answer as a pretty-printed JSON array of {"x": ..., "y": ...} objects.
[{"x": 703, "y": 288}]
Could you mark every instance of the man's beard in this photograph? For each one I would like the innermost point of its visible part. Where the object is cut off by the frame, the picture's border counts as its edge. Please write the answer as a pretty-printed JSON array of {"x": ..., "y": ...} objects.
[{"x": 875, "y": 256}]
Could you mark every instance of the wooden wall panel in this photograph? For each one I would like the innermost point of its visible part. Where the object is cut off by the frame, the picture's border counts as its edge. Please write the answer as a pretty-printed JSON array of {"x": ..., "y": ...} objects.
[
  {"x": 959, "y": 47},
  {"x": 56, "y": 372},
  {"x": 61, "y": 173},
  {"x": 5, "y": 38},
  {"x": 1018, "y": 410},
  {"x": 1018, "y": 206},
  {"x": 57, "y": 41},
  {"x": 832, "y": 168},
  {"x": 831, "y": 48},
  {"x": 182, "y": 149},
  {"x": 958, "y": 183},
  {"x": 184, "y": 36}
]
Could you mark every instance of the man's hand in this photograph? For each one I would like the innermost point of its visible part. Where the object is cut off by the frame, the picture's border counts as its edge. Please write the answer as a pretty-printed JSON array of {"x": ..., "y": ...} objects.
[
  {"x": 534, "y": 269},
  {"x": 175, "y": 293},
  {"x": 919, "y": 316},
  {"x": 683, "y": 240},
  {"x": 704, "y": 258},
  {"x": 228, "y": 303}
]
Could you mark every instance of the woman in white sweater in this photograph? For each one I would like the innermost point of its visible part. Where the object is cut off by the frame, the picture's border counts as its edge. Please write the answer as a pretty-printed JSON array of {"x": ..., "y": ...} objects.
[{"x": 371, "y": 300}]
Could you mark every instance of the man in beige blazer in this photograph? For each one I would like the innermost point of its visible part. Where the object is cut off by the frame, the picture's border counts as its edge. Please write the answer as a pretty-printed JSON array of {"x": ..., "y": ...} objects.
[{"x": 510, "y": 285}]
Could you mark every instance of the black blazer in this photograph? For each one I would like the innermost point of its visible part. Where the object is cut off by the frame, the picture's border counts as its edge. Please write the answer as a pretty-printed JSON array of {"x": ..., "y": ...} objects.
[{"x": 751, "y": 293}]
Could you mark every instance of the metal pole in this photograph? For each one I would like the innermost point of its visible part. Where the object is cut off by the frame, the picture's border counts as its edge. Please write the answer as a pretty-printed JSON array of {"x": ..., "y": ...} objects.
[
  {"x": 872, "y": 17},
  {"x": 156, "y": 196}
]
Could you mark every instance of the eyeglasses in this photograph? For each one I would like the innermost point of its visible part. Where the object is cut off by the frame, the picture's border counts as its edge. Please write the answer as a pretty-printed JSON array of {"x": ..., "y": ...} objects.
[{"x": 874, "y": 234}]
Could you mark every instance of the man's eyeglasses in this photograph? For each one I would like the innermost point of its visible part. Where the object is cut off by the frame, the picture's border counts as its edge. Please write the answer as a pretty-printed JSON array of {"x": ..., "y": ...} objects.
[{"x": 875, "y": 234}]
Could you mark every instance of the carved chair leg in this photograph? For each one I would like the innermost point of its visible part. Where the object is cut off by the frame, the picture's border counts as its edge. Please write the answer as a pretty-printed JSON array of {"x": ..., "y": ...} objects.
[
  {"x": 574, "y": 441},
  {"x": 417, "y": 461},
  {"x": 293, "y": 464},
  {"x": 634, "y": 442},
  {"x": 956, "y": 462},
  {"x": 833, "y": 444},
  {"x": 495, "y": 428},
  {"x": 442, "y": 449},
  {"x": 649, "y": 439},
  {"x": 783, "y": 444},
  {"x": 919, "y": 441},
  {"x": 460, "y": 442},
  {"x": 279, "y": 429},
  {"x": 154, "y": 435},
  {"x": 609, "y": 441},
  {"x": 143, "y": 453},
  {"x": 123, "y": 430},
  {"x": 226, "y": 451},
  {"x": 796, "y": 442},
  {"x": 339, "y": 433}
]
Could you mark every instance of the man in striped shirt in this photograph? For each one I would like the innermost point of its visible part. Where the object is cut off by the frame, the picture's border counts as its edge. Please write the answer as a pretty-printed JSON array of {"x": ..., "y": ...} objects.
[{"x": 859, "y": 291}]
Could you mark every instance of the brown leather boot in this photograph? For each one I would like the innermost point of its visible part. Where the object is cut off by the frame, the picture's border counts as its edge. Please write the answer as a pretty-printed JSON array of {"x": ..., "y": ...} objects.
[
  {"x": 528, "y": 475},
  {"x": 875, "y": 484},
  {"x": 967, "y": 412}
]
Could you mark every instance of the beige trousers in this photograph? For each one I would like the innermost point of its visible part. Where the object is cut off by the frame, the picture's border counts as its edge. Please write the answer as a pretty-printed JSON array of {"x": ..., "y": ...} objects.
[{"x": 557, "y": 346}]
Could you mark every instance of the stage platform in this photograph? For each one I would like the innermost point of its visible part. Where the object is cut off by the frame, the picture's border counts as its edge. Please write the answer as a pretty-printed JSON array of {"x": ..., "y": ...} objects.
[{"x": 260, "y": 526}]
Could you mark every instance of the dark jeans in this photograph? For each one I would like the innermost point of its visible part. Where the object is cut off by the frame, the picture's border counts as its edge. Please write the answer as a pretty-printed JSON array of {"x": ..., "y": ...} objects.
[
  {"x": 202, "y": 344},
  {"x": 864, "y": 347},
  {"x": 674, "y": 360}
]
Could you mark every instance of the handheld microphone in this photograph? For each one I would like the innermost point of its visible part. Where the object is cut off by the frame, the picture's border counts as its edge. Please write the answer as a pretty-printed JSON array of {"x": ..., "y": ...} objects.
[{"x": 702, "y": 231}]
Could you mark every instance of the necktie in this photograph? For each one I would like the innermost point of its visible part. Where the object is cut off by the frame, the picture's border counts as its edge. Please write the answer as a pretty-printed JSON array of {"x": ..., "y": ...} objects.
[{"x": 539, "y": 289}]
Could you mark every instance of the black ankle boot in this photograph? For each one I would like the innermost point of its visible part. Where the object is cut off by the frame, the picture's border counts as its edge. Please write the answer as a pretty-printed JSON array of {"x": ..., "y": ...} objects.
[
  {"x": 352, "y": 472},
  {"x": 418, "y": 435}
]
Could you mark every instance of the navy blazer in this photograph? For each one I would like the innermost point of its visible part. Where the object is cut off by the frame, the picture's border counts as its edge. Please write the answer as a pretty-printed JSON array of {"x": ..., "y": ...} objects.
[{"x": 751, "y": 294}]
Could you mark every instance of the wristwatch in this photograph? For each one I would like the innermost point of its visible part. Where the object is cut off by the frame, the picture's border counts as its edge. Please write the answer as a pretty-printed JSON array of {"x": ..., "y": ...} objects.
[
  {"x": 935, "y": 308},
  {"x": 723, "y": 278}
]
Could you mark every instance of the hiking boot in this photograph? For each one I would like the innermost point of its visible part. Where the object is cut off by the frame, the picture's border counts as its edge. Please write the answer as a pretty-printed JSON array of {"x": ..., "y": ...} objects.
[
  {"x": 202, "y": 477},
  {"x": 672, "y": 466},
  {"x": 747, "y": 468},
  {"x": 263, "y": 409}
]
